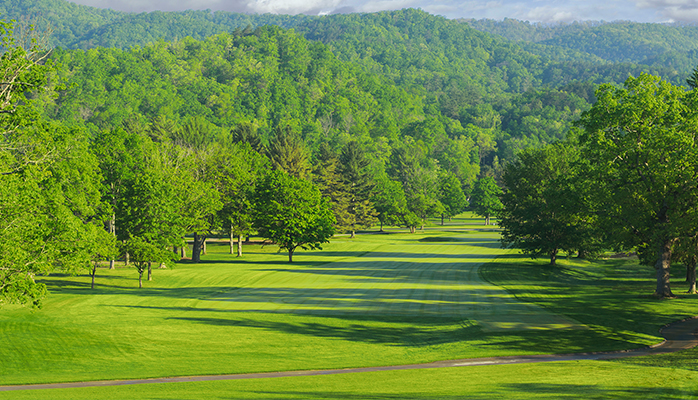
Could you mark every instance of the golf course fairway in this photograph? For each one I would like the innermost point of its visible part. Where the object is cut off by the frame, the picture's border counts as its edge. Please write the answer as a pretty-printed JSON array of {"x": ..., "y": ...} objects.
[{"x": 397, "y": 298}]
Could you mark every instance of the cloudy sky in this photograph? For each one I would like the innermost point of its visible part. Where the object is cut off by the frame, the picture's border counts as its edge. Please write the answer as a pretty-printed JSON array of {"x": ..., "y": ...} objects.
[{"x": 528, "y": 10}]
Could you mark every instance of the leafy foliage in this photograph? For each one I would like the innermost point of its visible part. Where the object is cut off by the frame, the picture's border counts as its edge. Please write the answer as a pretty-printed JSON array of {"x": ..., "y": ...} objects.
[
  {"x": 640, "y": 141},
  {"x": 484, "y": 199},
  {"x": 49, "y": 199},
  {"x": 541, "y": 212},
  {"x": 292, "y": 213}
]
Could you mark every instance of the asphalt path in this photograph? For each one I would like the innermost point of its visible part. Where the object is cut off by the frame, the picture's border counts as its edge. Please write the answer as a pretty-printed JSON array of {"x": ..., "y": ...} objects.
[{"x": 678, "y": 336}]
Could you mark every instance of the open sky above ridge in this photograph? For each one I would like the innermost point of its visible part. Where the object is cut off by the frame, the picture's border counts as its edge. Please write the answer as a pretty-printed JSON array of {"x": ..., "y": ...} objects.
[{"x": 528, "y": 10}]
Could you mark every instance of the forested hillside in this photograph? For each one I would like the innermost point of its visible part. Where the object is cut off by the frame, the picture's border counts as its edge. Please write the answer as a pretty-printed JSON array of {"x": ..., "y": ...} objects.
[
  {"x": 203, "y": 123},
  {"x": 670, "y": 50},
  {"x": 505, "y": 86}
]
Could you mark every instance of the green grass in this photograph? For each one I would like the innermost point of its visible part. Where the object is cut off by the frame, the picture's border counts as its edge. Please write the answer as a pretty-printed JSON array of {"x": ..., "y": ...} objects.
[
  {"x": 374, "y": 300},
  {"x": 568, "y": 380}
]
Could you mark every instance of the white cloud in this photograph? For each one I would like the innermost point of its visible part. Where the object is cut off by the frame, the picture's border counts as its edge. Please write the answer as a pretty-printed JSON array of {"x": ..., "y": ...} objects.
[
  {"x": 676, "y": 10},
  {"x": 546, "y": 14},
  {"x": 293, "y": 6},
  {"x": 166, "y": 5},
  {"x": 531, "y": 10},
  {"x": 375, "y": 6}
]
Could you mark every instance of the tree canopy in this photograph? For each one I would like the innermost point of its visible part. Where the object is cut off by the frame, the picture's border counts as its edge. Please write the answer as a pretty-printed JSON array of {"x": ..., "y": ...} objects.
[
  {"x": 292, "y": 213},
  {"x": 641, "y": 144}
]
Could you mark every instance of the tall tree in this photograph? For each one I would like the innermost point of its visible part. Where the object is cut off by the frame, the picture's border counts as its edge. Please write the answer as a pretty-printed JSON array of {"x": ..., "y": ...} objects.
[
  {"x": 422, "y": 192},
  {"x": 353, "y": 169},
  {"x": 237, "y": 169},
  {"x": 148, "y": 210},
  {"x": 389, "y": 200},
  {"x": 119, "y": 153},
  {"x": 641, "y": 145},
  {"x": 49, "y": 197},
  {"x": 485, "y": 198},
  {"x": 292, "y": 213},
  {"x": 287, "y": 152},
  {"x": 451, "y": 195},
  {"x": 541, "y": 210},
  {"x": 327, "y": 178},
  {"x": 195, "y": 189}
]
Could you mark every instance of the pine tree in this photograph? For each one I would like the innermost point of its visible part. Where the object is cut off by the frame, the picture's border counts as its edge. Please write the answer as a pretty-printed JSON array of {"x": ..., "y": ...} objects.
[
  {"x": 287, "y": 152},
  {"x": 332, "y": 186},
  {"x": 247, "y": 133},
  {"x": 353, "y": 168}
]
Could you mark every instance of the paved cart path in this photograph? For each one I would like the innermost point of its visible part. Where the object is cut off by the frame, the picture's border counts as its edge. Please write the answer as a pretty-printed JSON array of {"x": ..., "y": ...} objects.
[{"x": 680, "y": 335}]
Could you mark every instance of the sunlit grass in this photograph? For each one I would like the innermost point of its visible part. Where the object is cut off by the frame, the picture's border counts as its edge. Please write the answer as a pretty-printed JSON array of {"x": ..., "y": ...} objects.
[
  {"x": 568, "y": 380},
  {"x": 378, "y": 299}
]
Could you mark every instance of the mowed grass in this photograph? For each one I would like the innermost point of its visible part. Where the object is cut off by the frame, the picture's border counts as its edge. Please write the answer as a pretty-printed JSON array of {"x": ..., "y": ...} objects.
[
  {"x": 559, "y": 380},
  {"x": 373, "y": 300}
]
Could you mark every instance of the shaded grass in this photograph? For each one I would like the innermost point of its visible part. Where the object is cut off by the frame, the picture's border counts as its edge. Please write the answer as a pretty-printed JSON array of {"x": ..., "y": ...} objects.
[
  {"x": 374, "y": 300},
  {"x": 331, "y": 309},
  {"x": 608, "y": 295}
]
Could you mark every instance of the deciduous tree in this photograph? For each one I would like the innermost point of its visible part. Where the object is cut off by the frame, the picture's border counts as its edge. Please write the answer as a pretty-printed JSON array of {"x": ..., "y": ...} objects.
[
  {"x": 485, "y": 198},
  {"x": 641, "y": 144},
  {"x": 292, "y": 213},
  {"x": 541, "y": 210}
]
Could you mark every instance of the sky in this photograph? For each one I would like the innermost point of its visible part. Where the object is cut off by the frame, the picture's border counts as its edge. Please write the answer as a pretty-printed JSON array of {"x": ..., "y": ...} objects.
[{"x": 547, "y": 11}]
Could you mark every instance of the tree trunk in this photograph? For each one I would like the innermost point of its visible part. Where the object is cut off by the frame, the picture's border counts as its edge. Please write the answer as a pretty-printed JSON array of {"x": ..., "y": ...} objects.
[
  {"x": 553, "y": 257},
  {"x": 353, "y": 234},
  {"x": 140, "y": 279},
  {"x": 381, "y": 225},
  {"x": 175, "y": 249},
  {"x": 203, "y": 246},
  {"x": 196, "y": 250},
  {"x": 240, "y": 245},
  {"x": 688, "y": 271},
  {"x": 94, "y": 271},
  {"x": 112, "y": 230},
  {"x": 663, "y": 267},
  {"x": 232, "y": 239},
  {"x": 150, "y": 271},
  {"x": 487, "y": 219},
  {"x": 692, "y": 278},
  {"x": 184, "y": 249},
  {"x": 290, "y": 255},
  {"x": 128, "y": 259},
  {"x": 442, "y": 220}
]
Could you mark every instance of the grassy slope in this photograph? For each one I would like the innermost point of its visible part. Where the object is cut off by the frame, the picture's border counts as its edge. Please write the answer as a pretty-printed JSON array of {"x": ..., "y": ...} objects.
[{"x": 264, "y": 314}]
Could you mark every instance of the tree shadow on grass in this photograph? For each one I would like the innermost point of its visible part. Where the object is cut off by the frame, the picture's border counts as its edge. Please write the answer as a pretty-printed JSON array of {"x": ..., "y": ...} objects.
[
  {"x": 415, "y": 333},
  {"x": 403, "y": 334},
  {"x": 572, "y": 391},
  {"x": 499, "y": 391}
]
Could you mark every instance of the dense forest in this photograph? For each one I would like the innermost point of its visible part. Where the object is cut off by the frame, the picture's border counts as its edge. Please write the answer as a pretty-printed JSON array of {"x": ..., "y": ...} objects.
[{"x": 174, "y": 120}]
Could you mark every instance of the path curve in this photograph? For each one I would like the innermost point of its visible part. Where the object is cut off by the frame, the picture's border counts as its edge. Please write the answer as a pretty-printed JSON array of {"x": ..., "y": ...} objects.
[{"x": 680, "y": 335}]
